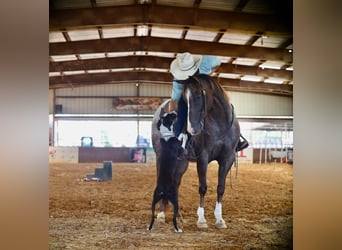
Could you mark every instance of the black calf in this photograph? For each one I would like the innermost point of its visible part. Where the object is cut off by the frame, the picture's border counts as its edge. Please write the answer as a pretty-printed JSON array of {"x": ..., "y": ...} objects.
[{"x": 167, "y": 189}]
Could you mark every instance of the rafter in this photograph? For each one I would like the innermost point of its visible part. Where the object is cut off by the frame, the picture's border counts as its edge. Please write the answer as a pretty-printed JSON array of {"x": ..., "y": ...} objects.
[
  {"x": 159, "y": 14},
  {"x": 162, "y": 63},
  {"x": 279, "y": 23},
  {"x": 242, "y": 3},
  {"x": 157, "y": 77},
  {"x": 168, "y": 45}
]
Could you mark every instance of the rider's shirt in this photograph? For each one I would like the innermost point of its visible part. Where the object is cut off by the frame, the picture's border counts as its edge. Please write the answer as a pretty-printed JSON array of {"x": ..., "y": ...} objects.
[{"x": 208, "y": 63}]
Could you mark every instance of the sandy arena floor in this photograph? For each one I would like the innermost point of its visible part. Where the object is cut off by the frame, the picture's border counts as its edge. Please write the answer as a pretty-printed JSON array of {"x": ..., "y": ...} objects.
[{"x": 115, "y": 214}]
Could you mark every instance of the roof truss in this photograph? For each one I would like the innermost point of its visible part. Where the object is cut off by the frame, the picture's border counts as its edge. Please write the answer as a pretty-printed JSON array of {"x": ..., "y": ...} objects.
[{"x": 263, "y": 36}]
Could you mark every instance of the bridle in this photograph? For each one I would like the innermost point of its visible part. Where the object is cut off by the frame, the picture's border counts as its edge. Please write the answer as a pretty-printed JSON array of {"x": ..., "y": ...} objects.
[
  {"x": 204, "y": 109},
  {"x": 196, "y": 81}
]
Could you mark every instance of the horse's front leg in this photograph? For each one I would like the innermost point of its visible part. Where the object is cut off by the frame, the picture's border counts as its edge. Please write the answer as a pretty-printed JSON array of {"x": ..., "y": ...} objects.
[
  {"x": 224, "y": 167},
  {"x": 202, "y": 165}
]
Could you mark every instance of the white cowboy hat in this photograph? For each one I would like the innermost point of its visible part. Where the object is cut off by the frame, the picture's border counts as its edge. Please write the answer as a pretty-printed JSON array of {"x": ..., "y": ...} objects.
[{"x": 185, "y": 65}]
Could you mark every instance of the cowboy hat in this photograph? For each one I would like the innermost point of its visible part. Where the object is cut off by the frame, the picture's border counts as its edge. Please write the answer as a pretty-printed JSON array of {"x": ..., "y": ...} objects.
[{"x": 185, "y": 65}]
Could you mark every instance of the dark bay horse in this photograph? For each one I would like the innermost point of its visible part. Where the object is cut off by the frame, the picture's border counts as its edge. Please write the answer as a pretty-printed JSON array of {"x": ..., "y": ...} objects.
[{"x": 214, "y": 131}]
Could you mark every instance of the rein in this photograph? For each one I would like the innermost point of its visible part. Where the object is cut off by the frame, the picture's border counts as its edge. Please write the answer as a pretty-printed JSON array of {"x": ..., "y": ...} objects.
[
  {"x": 204, "y": 95},
  {"x": 204, "y": 111}
]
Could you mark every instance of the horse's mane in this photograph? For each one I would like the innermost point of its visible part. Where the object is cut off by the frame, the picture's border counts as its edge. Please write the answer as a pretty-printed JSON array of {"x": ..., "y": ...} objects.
[
  {"x": 215, "y": 87},
  {"x": 218, "y": 92},
  {"x": 221, "y": 90}
]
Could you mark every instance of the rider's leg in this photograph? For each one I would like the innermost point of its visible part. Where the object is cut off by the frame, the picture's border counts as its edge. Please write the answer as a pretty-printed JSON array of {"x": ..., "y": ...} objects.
[
  {"x": 178, "y": 126},
  {"x": 181, "y": 117}
]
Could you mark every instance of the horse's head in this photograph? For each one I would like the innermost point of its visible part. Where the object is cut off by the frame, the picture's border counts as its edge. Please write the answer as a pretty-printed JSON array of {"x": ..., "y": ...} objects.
[{"x": 195, "y": 97}]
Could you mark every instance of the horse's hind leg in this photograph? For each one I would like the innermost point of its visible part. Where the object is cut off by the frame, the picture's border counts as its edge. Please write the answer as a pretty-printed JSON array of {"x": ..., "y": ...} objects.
[{"x": 224, "y": 167}]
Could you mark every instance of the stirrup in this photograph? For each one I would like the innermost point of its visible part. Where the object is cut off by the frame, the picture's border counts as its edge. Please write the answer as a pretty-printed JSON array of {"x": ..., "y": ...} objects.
[{"x": 242, "y": 145}]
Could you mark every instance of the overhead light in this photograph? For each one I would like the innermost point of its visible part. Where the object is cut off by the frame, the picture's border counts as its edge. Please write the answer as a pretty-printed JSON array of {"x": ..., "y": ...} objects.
[
  {"x": 142, "y": 30},
  {"x": 144, "y": 1}
]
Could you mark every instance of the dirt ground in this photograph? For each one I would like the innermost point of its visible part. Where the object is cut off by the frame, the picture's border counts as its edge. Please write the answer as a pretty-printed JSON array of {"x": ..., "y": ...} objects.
[{"x": 115, "y": 214}]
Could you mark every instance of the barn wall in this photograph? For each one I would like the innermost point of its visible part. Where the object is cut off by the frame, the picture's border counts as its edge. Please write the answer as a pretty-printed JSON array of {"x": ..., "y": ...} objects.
[
  {"x": 98, "y": 99},
  {"x": 51, "y": 91},
  {"x": 251, "y": 104}
]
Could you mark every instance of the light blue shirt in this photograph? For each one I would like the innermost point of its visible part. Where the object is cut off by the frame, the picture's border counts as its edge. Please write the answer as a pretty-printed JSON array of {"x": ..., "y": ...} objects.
[{"x": 206, "y": 66}]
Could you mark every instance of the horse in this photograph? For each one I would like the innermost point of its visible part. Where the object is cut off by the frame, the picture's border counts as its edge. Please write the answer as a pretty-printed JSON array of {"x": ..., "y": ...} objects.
[{"x": 214, "y": 134}]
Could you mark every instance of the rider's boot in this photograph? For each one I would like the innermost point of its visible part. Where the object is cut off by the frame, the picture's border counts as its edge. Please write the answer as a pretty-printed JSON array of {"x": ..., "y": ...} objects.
[{"x": 243, "y": 143}]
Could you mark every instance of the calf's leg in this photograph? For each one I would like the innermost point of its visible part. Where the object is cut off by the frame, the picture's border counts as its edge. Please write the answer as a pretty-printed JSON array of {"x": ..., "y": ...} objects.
[
  {"x": 174, "y": 201},
  {"x": 156, "y": 198}
]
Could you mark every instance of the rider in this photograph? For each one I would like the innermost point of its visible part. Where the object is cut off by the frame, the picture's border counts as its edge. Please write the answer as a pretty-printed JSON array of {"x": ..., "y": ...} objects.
[{"x": 182, "y": 67}]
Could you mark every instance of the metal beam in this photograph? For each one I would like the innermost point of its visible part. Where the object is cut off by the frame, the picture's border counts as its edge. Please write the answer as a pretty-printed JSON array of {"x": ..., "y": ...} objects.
[
  {"x": 168, "y": 45},
  {"x": 162, "y": 78},
  {"x": 161, "y": 63},
  {"x": 165, "y": 15}
]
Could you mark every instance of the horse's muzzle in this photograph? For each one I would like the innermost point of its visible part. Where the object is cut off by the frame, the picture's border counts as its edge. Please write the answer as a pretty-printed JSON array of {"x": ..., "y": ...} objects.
[{"x": 194, "y": 131}]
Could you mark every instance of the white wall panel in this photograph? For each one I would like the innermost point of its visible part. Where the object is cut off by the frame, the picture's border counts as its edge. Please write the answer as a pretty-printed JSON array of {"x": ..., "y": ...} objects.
[
  {"x": 251, "y": 104},
  {"x": 125, "y": 89},
  {"x": 155, "y": 90},
  {"x": 86, "y": 105},
  {"x": 51, "y": 101},
  {"x": 96, "y": 99}
]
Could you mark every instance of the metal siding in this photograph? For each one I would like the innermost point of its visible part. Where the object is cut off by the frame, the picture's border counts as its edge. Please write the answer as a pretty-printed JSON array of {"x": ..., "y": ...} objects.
[
  {"x": 155, "y": 90},
  {"x": 251, "y": 104},
  {"x": 246, "y": 104},
  {"x": 126, "y": 89},
  {"x": 86, "y": 105},
  {"x": 51, "y": 101}
]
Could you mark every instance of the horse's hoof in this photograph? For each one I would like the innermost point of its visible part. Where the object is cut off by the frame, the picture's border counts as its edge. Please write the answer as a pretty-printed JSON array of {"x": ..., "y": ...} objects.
[
  {"x": 161, "y": 217},
  {"x": 221, "y": 224},
  {"x": 179, "y": 230},
  {"x": 202, "y": 224}
]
